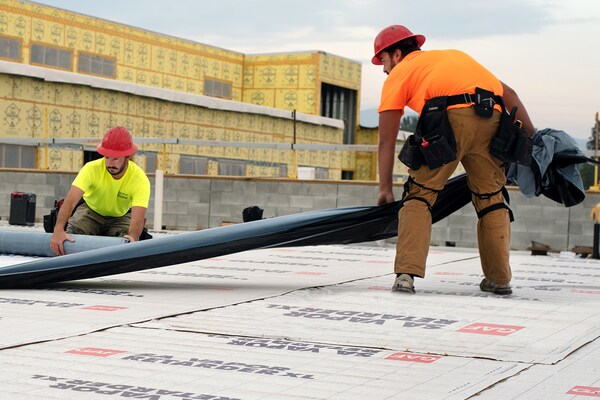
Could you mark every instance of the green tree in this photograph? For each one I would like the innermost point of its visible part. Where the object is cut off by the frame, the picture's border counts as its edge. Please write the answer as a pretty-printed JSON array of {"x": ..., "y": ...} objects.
[
  {"x": 408, "y": 123},
  {"x": 587, "y": 175},
  {"x": 591, "y": 144}
]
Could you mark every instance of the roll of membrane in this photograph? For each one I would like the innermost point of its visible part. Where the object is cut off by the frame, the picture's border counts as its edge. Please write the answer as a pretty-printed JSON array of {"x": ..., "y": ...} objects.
[
  {"x": 38, "y": 243},
  {"x": 334, "y": 226}
]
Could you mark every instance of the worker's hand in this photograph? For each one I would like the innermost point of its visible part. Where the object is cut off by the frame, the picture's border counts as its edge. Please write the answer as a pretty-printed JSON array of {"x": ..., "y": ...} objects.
[
  {"x": 385, "y": 198},
  {"x": 57, "y": 242},
  {"x": 130, "y": 238},
  {"x": 595, "y": 215}
]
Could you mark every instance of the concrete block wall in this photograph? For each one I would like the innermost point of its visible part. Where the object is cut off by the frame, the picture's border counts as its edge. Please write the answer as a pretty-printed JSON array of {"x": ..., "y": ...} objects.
[{"x": 192, "y": 203}]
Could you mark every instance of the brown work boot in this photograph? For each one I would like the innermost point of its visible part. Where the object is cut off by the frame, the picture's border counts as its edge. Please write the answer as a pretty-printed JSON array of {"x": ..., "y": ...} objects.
[
  {"x": 404, "y": 283},
  {"x": 488, "y": 286}
]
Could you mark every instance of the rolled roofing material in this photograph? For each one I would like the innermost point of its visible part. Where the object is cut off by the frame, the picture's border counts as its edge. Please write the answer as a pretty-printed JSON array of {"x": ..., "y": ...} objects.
[
  {"x": 333, "y": 226},
  {"x": 38, "y": 243}
]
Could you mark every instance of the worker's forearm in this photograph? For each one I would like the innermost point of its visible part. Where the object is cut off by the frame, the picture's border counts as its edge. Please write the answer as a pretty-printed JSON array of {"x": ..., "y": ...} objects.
[
  {"x": 511, "y": 99},
  {"x": 389, "y": 124},
  {"x": 386, "y": 167},
  {"x": 135, "y": 229},
  {"x": 64, "y": 213}
]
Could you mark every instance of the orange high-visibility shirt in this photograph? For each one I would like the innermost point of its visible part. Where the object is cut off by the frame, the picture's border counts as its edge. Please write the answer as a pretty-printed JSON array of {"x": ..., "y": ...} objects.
[{"x": 423, "y": 75}]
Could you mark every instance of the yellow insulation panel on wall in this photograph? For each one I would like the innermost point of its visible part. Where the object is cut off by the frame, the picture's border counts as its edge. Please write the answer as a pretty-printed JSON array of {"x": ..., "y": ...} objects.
[
  {"x": 263, "y": 170},
  {"x": 290, "y": 81},
  {"x": 140, "y": 56},
  {"x": 157, "y": 60},
  {"x": 59, "y": 158},
  {"x": 286, "y": 81},
  {"x": 339, "y": 71},
  {"x": 63, "y": 110}
]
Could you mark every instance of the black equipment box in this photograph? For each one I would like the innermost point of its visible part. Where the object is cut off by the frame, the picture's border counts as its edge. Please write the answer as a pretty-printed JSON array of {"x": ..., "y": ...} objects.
[{"x": 22, "y": 209}]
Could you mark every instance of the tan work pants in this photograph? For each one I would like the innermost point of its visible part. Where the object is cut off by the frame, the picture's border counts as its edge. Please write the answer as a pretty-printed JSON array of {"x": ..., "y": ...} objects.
[{"x": 485, "y": 175}]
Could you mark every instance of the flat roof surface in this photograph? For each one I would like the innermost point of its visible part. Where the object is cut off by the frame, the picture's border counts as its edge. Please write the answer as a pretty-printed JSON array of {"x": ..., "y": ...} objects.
[{"x": 307, "y": 323}]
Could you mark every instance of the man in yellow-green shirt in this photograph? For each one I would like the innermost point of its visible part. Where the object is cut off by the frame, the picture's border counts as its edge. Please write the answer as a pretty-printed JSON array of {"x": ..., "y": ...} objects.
[{"x": 112, "y": 192}]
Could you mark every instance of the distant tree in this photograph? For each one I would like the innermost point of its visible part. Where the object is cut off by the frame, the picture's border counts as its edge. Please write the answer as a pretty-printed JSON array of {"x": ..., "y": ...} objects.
[
  {"x": 591, "y": 144},
  {"x": 587, "y": 175},
  {"x": 408, "y": 123}
]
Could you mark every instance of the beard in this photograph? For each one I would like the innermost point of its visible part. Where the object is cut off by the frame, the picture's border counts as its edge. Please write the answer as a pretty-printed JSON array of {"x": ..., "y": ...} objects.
[
  {"x": 393, "y": 64},
  {"x": 114, "y": 170}
]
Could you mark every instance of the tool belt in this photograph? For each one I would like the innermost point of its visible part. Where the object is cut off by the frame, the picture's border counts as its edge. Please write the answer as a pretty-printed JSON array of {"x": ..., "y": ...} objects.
[
  {"x": 511, "y": 144},
  {"x": 433, "y": 142}
]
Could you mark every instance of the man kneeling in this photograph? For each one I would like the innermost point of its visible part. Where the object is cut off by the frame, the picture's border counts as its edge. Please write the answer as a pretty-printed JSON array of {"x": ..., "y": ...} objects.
[{"x": 109, "y": 196}]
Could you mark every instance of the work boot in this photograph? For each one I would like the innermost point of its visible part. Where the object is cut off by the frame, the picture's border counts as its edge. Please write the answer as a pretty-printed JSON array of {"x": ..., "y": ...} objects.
[
  {"x": 404, "y": 283},
  {"x": 488, "y": 286}
]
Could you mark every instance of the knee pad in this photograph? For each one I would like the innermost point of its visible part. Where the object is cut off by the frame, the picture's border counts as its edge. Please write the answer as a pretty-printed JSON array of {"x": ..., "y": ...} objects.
[
  {"x": 421, "y": 200},
  {"x": 495, "y": 206},
  {"x": 406, "y": 197}
]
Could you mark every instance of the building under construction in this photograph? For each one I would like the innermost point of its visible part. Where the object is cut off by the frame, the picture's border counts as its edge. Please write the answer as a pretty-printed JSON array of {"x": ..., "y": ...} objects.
[{"x": 65, "y": 78}]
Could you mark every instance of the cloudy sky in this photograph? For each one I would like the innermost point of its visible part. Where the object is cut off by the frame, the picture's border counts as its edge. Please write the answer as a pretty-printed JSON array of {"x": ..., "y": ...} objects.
[{"x": 547, "y": 50}]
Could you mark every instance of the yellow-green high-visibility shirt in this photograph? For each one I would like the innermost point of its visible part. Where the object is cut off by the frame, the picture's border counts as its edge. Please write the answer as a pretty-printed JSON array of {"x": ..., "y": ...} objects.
[{"x": 111, "y": 197}]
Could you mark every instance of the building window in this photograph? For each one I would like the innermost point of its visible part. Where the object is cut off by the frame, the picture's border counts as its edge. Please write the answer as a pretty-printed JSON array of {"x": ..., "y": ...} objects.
[
  {"x": 96, "y": 65},
  {"x": 17, "y": 156},
  {"x": 51, "y": 56},
  {"x": 10, "y": 49},
  {"x": 232, "y": 168},
  {"x": 340, "y": 103},
  {"x": 193, "y": 165},
  {"x": 151, "y": 161},
  {"x": 216, "y": 88}
]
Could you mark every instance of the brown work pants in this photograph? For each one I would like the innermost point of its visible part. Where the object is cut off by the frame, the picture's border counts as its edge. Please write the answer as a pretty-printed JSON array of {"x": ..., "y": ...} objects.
[{"x": 485, "y": 174}]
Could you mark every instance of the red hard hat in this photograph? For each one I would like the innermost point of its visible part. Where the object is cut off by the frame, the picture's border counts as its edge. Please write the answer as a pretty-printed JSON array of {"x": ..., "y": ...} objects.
[
  {"x": 390, "y": 35},
  {"x": 116, "y": 142}
]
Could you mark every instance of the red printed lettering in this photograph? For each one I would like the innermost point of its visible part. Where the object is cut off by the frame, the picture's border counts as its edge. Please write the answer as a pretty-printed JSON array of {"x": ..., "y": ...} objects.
[
  {"x": 104, "y": 308},
  {"x": 413, "y": 357},
  {"x": 490, "y": 329},
  {"x": 386, "y": 288},
  {"x": 585, "y": 291},
  {"x": 95, "y": 351},
  {"x": 585, "y": 391}
]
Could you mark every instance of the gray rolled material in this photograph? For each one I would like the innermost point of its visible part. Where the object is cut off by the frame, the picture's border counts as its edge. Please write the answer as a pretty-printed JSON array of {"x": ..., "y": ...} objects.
[{"x": 38, "y": 243}]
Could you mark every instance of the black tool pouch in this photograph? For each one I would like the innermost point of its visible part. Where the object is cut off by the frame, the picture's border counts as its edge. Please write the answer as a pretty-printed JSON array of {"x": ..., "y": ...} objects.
[
  {"x": 410, "y": 154},
  {"x": 437, "y": 143},
  {"x": 438, "y": 152},
  {"x": 433, "y": 143},
  {"x": 50, "y": 219},
  {"x": 512, "y": 143},
  {"x": 484, "y": 102}
]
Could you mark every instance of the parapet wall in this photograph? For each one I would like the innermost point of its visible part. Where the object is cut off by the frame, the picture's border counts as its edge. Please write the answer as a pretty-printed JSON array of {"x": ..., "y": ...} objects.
[{"x": 192, "y": 203}]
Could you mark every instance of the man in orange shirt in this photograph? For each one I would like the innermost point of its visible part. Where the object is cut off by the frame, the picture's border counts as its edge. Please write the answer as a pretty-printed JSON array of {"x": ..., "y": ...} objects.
[{"x": 414, "y": 77}]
